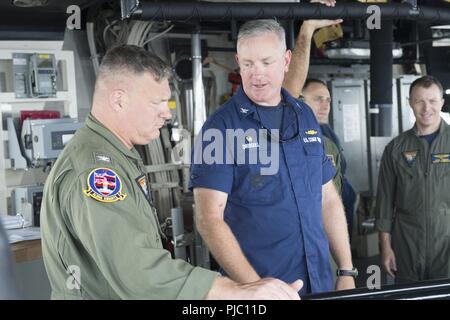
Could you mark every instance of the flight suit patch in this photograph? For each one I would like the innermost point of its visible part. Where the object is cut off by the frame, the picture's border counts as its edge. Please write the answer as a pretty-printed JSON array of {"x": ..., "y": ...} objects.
[
  {"x": 410, "y": 157},
  {"x": 143, "y": 185},
  {"x": 331, "y": 157},
  {"x": 104, "y": 185},
  {"x": 440, "y": 158}
]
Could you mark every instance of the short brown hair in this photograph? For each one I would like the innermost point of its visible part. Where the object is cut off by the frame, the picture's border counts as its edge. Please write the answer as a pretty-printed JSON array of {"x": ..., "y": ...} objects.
[
  {"x": 311, "y": 81},
  {"x": 426, "y": 82}
]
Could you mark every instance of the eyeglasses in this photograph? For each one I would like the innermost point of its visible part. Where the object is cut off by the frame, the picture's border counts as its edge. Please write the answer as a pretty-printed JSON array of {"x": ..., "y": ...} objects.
[{"x": 270, "y": 137}]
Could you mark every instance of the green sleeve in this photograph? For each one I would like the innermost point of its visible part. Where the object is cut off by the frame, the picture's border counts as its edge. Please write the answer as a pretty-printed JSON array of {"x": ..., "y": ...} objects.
[
  {"x": 384, "y": 206},
  {"x": 123, "y": 242},
  {"x": 338, "y": 176},
  {"x": 332, "y": 150}
]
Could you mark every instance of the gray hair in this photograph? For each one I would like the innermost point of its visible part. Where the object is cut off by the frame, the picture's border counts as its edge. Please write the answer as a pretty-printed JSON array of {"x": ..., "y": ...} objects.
[
  {"x": 256, "y": 28},
  {"x": 135, "y": 60}
]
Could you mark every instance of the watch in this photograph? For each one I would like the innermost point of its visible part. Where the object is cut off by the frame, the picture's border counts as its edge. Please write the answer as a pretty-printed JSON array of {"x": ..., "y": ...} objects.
[{"x": 345, "y": 272}]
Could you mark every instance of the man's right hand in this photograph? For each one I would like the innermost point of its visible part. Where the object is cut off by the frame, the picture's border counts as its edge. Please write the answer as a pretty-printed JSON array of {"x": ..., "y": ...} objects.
[
  {"x": 388, "y": 261},
  {"x": 264, "y": 289}
]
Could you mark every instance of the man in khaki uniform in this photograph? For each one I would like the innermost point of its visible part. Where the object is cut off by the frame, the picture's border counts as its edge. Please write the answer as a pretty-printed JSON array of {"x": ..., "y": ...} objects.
[
  {"x": 100, "y": 234},
  {"x": 413, "y": 202}
]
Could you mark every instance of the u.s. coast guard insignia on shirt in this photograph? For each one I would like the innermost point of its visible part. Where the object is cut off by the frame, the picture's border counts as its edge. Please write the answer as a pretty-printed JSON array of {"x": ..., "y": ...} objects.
[
  {"x": 410, "y": 157},
  {"x": 104, "y": 185},
  {"x": 311, "y": 136}
]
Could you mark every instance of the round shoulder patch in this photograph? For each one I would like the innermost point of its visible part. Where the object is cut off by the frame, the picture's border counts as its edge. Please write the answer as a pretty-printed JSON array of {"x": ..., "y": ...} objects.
[{"x": 104, "y": 185}]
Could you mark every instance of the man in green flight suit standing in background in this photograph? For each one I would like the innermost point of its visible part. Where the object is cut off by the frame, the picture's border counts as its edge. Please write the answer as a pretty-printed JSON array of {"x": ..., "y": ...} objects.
[
  {"x": 100, "y": 234},
  {"x": 413, "y": 202}
]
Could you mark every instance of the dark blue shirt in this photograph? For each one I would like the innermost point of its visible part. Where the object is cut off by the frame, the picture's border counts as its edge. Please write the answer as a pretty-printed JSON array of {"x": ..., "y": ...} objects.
[
  {"x": 273, "y": 114},
  {"x": 275, "y": 216},
  {"x": 430, "y": 137}
]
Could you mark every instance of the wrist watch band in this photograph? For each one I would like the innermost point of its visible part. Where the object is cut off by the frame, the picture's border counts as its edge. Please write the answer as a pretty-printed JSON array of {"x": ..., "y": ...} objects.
[{"x": 351, "y": 273}]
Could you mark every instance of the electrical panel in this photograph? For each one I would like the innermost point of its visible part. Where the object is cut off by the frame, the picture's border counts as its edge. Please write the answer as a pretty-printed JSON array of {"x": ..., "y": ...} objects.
[
  {"x": 349, "y": 124},
  {"x": 44, "y": 139},
  {"x": 34, "y": 75}
]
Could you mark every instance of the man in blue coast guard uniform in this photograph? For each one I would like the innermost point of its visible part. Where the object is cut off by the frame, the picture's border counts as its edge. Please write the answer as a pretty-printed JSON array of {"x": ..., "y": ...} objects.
[{"x": 266, "y": 206}]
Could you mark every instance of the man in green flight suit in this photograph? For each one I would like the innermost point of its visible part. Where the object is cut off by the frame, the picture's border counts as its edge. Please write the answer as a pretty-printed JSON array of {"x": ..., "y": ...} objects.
[
  {"x": 413, "y": 204},
  {"x": 100, "y": 235},
  {"x": 316, "y": 94}
]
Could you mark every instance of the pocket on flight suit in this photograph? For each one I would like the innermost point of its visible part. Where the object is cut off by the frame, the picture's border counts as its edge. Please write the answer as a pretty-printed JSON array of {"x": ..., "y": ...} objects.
[
  {"x": 254, "y": 188},
  {"x": 409, "y": 194},
  {"x": 314, "y": 155}
]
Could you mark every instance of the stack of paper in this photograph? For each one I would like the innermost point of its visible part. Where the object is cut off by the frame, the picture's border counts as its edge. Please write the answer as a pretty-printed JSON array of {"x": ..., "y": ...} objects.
[
  {"x": 17, "y": 235},
  {"x": 13, "y": 222}
]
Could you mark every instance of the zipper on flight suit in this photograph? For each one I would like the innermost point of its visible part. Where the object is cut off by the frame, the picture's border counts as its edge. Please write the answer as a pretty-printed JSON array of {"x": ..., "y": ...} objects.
[
  {"x": 427, "y": 207},
  {"x": 429, "y": 215},
  {"x": 140, "y": 165}
]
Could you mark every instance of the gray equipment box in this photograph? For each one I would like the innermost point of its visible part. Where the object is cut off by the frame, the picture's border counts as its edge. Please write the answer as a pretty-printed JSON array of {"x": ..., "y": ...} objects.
[
  {"x": 35, "y": 75},
  {"x": 46, "y": 138},
  {"x": 27, "y": 201}
]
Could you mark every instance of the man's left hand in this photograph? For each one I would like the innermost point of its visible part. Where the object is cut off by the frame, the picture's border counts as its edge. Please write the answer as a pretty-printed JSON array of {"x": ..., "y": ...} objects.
[
  {"x": 314, "y": 24},
  {"x": 345, "y": 283}
]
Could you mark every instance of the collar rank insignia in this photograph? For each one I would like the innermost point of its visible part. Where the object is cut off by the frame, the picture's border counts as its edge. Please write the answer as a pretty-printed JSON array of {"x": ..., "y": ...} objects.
[
  {"x": 104, "y": 185},
  {"x": 410, "y": 157},
  {"x": 101, "y": 158},
  {"x": 244, "y": 111},
  {"x": 143, "y": 185},
  {"x": 440, "y": 158}
]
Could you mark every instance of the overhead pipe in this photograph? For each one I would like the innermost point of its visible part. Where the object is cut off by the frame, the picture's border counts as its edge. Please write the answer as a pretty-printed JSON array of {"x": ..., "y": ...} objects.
[
  {"x": 381, "y": 40},
  {"x": 290, "y": 35},
  {"x": 226, "y": 11},
  {"x": 197, "y": 82},
  {"x": 381, "y": 61}
]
